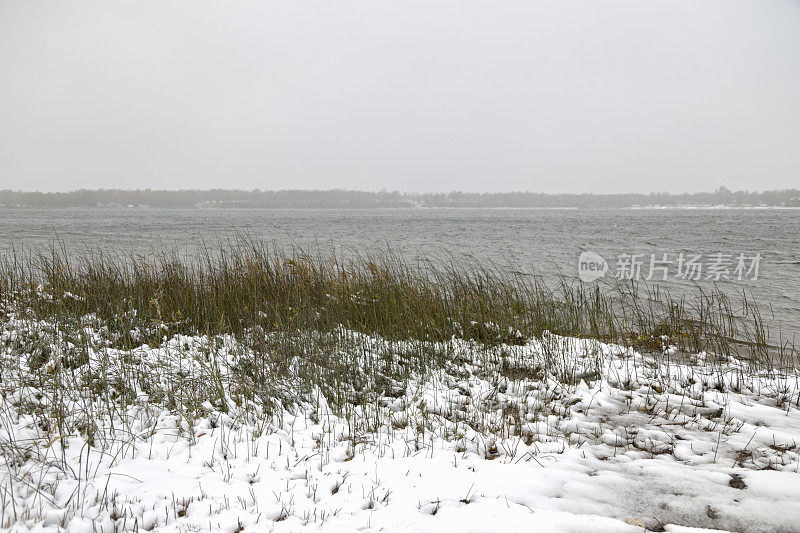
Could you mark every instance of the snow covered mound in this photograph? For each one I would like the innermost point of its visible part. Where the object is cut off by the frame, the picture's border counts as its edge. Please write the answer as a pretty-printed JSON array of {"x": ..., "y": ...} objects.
[{"x": 556, "y": 435}]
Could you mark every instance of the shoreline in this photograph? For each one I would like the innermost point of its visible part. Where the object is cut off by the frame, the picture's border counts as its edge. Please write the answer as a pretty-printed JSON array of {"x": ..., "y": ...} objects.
[{"x": 560, "y": 433}]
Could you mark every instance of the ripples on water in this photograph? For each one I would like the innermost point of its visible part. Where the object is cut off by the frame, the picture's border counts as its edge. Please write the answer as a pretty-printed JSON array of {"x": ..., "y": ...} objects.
[{"x": 529, "y": 240}]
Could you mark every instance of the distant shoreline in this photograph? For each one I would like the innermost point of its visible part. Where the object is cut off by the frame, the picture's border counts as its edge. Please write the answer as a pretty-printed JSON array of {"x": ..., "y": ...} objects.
[
  {"x": 412, "y": 208},
  {"x": 722, "y": 198}
]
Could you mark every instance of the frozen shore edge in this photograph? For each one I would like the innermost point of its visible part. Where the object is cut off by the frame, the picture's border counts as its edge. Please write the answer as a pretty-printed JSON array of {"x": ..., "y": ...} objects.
[{"x": 488, "y": 443}]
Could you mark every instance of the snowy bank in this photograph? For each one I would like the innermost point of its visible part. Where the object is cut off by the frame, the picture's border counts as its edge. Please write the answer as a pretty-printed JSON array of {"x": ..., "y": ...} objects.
[{"x": 558, "y": 434}]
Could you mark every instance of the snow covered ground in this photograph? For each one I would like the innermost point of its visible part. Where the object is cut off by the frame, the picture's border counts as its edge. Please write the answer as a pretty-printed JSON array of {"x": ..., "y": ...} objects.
[{"x": 556, "y": 435}]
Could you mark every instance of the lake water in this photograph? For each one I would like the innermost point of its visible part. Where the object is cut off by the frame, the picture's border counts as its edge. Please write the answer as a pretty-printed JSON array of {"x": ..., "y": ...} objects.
[{"x": 530, "y": 240}]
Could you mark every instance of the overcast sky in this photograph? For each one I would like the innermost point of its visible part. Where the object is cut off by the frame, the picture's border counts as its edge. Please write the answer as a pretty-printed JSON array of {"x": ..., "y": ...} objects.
[{"x": 555, "y": 96}]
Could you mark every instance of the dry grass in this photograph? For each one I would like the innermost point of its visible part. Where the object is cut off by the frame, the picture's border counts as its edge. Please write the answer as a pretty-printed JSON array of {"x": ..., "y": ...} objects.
[{"x": 245, "y": 285}]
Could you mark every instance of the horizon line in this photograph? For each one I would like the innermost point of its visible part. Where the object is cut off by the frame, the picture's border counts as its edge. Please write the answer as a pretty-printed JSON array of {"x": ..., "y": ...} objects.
[{"x": 720, "y": 189}]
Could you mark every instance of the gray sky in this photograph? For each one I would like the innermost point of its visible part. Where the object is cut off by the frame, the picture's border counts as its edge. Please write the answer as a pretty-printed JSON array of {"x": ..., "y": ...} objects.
[{"x": 551, "y": 96}]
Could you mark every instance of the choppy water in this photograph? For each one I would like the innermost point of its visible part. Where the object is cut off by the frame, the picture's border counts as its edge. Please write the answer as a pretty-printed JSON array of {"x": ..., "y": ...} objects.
[{"x": 546, "y": 241}]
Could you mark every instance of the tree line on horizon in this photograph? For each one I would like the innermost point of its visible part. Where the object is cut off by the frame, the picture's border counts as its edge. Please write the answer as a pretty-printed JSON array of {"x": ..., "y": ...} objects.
[{"x": 339, "y": 198}]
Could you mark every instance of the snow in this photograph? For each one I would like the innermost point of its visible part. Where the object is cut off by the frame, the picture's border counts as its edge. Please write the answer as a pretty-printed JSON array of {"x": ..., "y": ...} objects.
[{"x": 584, "y": 437}]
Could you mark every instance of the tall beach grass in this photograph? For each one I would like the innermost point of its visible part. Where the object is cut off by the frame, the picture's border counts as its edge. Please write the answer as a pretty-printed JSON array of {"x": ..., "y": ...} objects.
[{"x": 244, "y": 284}]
